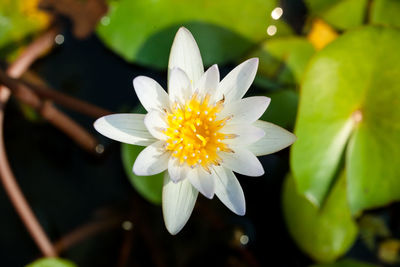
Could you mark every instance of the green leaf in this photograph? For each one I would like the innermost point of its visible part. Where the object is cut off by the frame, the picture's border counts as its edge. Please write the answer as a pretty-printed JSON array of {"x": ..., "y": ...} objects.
[
  {"x": 150, "y": 187},
  {"x": 18, "y": 20},
  {"x": 323, "y": 234},
  {"x": 51, "y": 262},
  {"x": 341, "y": 14},
  {"x": 345, "y": 263},
  {"x": 283, "y": 108},
  {"x": 142, "y": 31},
  {"x": 385, "y": 12},
  {"x": 284, "y": 59},
  {"x": 350, "y": 95}
]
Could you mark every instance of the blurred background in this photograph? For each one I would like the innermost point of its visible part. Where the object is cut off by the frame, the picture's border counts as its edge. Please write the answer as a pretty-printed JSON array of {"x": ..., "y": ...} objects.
[{"x": 331, "y": 68}]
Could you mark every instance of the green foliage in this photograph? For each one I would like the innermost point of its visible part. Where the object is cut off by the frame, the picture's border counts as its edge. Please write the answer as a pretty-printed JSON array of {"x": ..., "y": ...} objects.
[
  {"x": 18, "y": 20},
  {"x": 51, "y": 262},
  {"x": 142, "y": 31},
  {"x": 283, "y": 108},
  {"x": 323, "y": 234},
  {"x": 284, "y": 59},
  {"x": 150, "y": 187},
  {"x": 385, "y": 12},
  {"x": 345, "y": 263},
  {"x": 350, "y": 97},
  {"x": 341, "y": 14}
]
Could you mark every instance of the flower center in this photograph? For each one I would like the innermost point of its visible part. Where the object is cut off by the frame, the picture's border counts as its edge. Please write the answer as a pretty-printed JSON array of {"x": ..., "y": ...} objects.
[{"x": 193, "y": 132}]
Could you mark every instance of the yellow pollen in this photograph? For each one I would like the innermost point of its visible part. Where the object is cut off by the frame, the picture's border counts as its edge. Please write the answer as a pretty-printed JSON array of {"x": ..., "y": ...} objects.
[{"x": 194, "y": 132}]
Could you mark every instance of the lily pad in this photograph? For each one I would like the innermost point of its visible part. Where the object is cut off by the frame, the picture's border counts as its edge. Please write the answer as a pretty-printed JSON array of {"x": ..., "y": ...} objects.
[
  {"x": 385, "y": 12},
  {"x": 323, "y": 234},
  {"x": 142, "y": 31},
  {"x": 284, "y": 59},
  {"x": 287, "y": 100},
  {"x": 341, "y": 14},
  {"x": 150, "y": 187},
  {"x": 51, "y": 262},
  {"x": 350, "y": 96}
]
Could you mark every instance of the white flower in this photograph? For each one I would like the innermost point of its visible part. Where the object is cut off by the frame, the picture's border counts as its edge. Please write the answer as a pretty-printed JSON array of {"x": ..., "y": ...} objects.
[{"x": 201, "y": 132}]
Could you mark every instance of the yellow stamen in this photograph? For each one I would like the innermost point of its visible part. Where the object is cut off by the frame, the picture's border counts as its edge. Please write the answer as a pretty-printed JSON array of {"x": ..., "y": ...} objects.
[{"x": 193, "y": 132}]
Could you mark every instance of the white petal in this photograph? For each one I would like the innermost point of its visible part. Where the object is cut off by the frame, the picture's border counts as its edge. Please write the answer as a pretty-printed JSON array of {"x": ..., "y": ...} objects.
[
  {"x": 155, "y": 124},
  {"x": 208, "y": 82},
  {"x": 185, "y": 54},
  {"x": 243, "y": 162},
  {"x": 246, "y": 110},
  {"x": 152, "y": 160},
  {"x": 229, "y": 191},
  {"x": 179, "y": 86},
  {"x": 178, "y": 201},
  {"x": 238, "y": 81},
  {"x": 176, "y": 170},
  {"x": 245, "y": 134},
  {"x": 126, "y": 128},
  {"x": 150, "y": 93},
  {"x": 202, "y": 181},
  {"x": 275, "y": 139}
]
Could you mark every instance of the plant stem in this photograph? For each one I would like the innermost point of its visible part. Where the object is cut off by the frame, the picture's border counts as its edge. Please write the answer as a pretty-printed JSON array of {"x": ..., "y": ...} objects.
[
  {"x": 11, "y": 187},
  {"x": 85, "y": 231},
  {"x": 56, "y": 117},
  {"x": 44, "y": 91}
]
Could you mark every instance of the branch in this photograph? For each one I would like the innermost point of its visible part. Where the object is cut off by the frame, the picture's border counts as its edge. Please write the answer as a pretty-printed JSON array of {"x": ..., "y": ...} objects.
[
  {"x": 11, "y": 187},
  {"x": 50, "y": 113},
  {"x": 44, "y": 91},
  {"x": 84, "y": 232}
]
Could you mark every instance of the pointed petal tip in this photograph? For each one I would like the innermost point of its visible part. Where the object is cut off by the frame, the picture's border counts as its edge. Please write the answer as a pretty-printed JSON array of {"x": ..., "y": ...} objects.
[
  {"x": 137, "y": 80},
  {"x": 96, "y": 124},
  {"x": 214, "y": 66},
  {"x": 209, "y": 195},
  {"x": 254, "y": 60},
  {"x": 241, "y": 212},
  {"x": 173, "y": 230},
  {"x": 183, "y": 29},
  {"x": 294, "y": 138},
  {"x": 259, "y": 172}
]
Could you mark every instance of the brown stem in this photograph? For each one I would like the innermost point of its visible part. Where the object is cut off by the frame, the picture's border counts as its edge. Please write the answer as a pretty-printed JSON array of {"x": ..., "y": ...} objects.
[
  {"x": 64, "y": 100},
  {"x": 126, "y": 248},
  {"x": 50, "y": 113},
  {"x": 69, "y": 127},
  {"x": 84, "y": 232},
  {"x": 11, "y": 187},
  {"x": 21, "y": 205}
]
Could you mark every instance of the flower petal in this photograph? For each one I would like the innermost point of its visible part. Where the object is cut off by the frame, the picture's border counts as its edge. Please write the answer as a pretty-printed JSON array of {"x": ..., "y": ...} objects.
[
  {"x": 245, "y": 134},
  {"x": 235, "y": 85},
  {"x": 126, "y": 128},
  {"x": 177, "y": 171},
  {"x": 150, "y": 93},
  {"x": 185, "y": 54},
  {"x": 155, "y": 124},
  {"x": 275, "y": 139},
  {"x": 229, "y": 191},
  {"x": 152, "y": 160},
  {"x": 179, "y": 86},
  {"x": 208, "y": 82},
  {"x": 246, "y": 110},
  {"x": 202, "y": 181},
  {"x": 178, "y": 200},
  {"x": 242, "y": 161}
]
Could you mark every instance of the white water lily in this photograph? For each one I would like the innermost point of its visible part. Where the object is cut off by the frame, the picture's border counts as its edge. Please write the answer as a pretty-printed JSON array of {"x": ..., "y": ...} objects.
[{"x": 199, "y": 133}]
